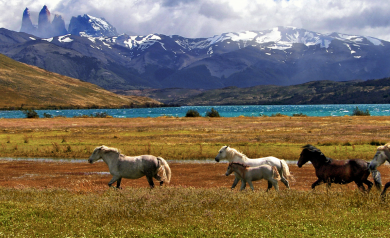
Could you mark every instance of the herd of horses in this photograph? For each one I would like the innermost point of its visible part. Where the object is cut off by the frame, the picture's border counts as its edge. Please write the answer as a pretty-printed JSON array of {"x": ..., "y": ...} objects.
[{"x": 247, "y": 170}]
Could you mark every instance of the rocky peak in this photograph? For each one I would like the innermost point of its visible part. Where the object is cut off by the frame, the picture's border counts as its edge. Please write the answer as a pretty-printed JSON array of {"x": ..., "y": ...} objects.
[
  {"x": 44, "y": 23},
  {"x": 58, "y": 26},
  {"x": 27, "y": 25}
]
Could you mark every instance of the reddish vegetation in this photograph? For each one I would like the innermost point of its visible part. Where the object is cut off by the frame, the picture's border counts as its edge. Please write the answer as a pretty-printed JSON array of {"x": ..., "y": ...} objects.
[{"x": 80, "y": 177}]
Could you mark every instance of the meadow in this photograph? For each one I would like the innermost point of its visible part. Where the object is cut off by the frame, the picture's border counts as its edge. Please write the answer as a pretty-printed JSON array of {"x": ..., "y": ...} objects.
[
  {"x": 87, "y": 209},
  {"x": 194, "y": 138}
]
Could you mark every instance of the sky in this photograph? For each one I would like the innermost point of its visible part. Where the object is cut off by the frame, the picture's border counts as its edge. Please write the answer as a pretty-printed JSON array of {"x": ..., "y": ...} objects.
[{"x": 206, "y": 18}]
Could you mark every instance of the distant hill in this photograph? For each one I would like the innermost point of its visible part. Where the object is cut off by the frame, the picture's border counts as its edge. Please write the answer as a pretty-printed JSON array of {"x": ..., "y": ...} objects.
[
  {"x": 316, "y": 92},
  {"x": 28, "y": 86}
]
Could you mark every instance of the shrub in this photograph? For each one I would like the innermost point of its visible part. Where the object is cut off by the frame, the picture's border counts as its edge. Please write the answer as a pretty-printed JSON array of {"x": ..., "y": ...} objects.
[
  {"x": 212, "y": 113},
  {"x": 299, "y": 115},
  {"x": 100, "y": 114},
  {"x": 30, "y": 113},
  {"x": 358, "y": 112},
  {"x": 278, "y": 115},
  {"x": 192, "y": 113},
  {"x": 47, "y": 115}
]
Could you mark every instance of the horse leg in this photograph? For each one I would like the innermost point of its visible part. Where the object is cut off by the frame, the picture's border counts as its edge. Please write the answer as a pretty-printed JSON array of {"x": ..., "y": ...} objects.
[
  {"x": 235, "y": 182},
  {"x": 251, "y": 185},
  {"x": 113, "y": 180},
  {"x": 360, "y": 186},
  {"x": 158, "y": 178},
  {"x": 275, "y": 184},
  {"x": 369, "y": 184},
  {"x": 316, "y": 183},
  {"x": 243, "y": 185},
  {"x": 387, "y": 185},
  {"x": 118, "y": 183},
  {"x": 269, "y": 186},
  {"x": 328, "y": 184},
  {"x": 150, "y": 181}
]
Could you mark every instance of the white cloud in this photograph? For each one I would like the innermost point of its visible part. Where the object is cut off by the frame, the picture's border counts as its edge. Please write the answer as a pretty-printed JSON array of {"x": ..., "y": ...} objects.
[{"x": 205, "y": 18}]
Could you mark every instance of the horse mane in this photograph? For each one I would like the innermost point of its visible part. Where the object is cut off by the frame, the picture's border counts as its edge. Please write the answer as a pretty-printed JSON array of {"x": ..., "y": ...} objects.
[
  {"x": 231, "y": 152},
  {"x": 384, "y": 147},
  {"x": 313, "y": 149},
  {"x": 107, "y": 149},
  {"x": 241, "y": 164}
]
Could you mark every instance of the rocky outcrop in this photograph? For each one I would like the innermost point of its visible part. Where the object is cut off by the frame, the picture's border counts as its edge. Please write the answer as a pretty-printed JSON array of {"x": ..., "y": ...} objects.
[
  {"x": 27, "y": 26},
  {"x": 46, "y": 28},
  {"x": 86, "y": 25},
  {"x": 44, "y": 23},
  {"x": 58, "y": 26}
]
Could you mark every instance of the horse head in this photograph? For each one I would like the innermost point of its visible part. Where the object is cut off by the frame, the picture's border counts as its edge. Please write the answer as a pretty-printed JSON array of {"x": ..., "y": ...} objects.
[
  {"x": 310, "y": 153},
  {"x": 229, "y": 170},
  {"x": 96, "y": 155},
  {"x": 221, "y": 154},
  {"x": 233, "y": 167},
  {"x": 382, "y": 154}
]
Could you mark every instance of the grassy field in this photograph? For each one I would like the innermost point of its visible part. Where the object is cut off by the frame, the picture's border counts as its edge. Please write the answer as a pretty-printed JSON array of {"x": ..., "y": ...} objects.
[
  {"x": 176, "y": 211},
  {"x": 194, "y": 138},
  {"x": 189, "y": 212}
]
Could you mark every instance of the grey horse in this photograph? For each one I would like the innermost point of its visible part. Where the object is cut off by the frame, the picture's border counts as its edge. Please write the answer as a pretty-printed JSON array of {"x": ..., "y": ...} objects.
[
  {"x": 248, "y": 174},
  {"x": 122, "y": 166}
]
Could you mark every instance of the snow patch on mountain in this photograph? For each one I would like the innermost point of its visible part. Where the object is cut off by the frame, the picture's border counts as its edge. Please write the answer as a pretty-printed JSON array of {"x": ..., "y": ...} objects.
[
  {"x": 65, "y": 39},
  {"x": 141, "y": 42}
]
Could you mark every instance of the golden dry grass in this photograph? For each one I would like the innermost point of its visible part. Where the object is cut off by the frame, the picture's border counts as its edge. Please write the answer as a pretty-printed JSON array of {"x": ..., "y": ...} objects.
[
  {"x": 194, "y": 138},
  {"x": 26, "y": 86}
]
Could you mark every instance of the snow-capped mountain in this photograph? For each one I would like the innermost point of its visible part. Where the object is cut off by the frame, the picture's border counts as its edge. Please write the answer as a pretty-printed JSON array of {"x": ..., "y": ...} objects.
[
  {"x": 280, "y": 56},
  {"x": 279, "y": 38},
  {"x": 90, "y": 26}
]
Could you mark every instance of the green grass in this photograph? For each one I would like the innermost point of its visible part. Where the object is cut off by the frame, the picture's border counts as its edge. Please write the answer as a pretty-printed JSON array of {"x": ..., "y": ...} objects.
[{"x": 189, "y": 212}]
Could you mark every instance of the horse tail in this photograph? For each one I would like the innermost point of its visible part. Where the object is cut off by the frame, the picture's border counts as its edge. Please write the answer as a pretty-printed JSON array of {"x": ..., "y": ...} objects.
[
  {"x": 164, "y": 171},
  {"x": 286, "y": 170},
  {"x": 275, "y": 173},
  {"x": 377, "y": 179}
]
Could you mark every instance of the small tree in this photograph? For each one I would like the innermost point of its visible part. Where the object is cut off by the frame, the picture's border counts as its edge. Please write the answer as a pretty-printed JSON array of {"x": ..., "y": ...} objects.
[
  {"x": 192, "y": 113},
  {"x": 30, "y": 113},
  {"x": 358, "y": 112},
  {"x": 212, "y": 113}
]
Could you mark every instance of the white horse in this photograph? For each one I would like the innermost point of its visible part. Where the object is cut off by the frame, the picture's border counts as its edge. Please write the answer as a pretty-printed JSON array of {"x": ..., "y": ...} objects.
[
  {"x": 249, "y": 174},
  {"x": 232, "y": 155},
  {"x": 382, "y": 154},
  {"x": 122, "y": 166}
]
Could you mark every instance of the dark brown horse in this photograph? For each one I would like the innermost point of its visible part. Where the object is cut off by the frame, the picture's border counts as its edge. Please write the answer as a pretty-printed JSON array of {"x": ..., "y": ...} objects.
[{"x": 335, "y": 171}]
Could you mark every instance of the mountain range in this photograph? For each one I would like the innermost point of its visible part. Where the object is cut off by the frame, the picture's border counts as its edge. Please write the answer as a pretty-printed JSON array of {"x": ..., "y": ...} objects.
[
  {"x": 92, "y": 50},
  {"x": 375, "y": 91}
]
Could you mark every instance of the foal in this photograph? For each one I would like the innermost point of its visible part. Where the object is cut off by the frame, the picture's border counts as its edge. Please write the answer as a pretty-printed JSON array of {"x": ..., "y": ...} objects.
[{"x": 249, "y": 174}]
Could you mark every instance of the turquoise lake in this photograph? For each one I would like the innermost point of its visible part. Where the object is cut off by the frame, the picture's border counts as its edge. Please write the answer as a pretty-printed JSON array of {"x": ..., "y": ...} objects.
[{"x": 224, "y": 111}]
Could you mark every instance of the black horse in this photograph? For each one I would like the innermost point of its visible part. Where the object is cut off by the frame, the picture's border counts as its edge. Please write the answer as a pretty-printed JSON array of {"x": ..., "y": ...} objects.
[{"x": 335, "y": 171}]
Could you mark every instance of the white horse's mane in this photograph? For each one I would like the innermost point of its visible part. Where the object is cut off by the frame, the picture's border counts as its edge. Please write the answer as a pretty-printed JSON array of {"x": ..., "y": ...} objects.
[
  {"x": 384, "y": 147},
  {"x": 231, "y": 152},
  {"x": 107, "y": 149}
]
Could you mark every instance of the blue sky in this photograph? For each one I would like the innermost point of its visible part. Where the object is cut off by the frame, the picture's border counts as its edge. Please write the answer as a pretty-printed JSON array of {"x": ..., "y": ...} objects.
[{"x": 206, "y": 18}]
